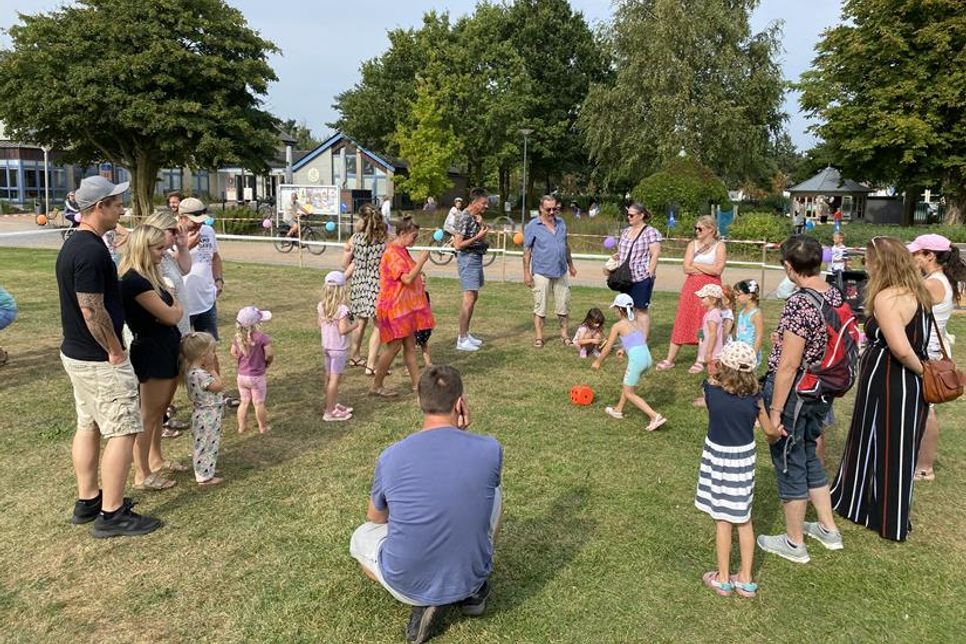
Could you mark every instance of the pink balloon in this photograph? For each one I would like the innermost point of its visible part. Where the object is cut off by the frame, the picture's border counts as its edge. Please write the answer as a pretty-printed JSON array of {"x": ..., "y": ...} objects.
[
  {"x": 267, "y": 223},
  {"x": 609, "y": 242}
]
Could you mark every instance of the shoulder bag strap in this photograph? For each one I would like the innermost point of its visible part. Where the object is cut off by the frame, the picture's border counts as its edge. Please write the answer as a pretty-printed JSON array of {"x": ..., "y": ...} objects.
[
  {"x": 630, "y": 250},
  {"x": 939, "y": 336}
]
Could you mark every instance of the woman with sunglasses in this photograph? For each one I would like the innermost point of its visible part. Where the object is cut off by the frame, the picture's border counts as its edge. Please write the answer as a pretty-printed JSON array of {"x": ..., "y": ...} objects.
[
  {"x": 643, "y": 244},
  {"x": 704, "y": 261}
]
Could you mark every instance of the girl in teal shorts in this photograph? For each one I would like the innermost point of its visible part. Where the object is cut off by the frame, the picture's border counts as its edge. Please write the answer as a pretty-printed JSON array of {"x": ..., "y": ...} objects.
[{"x": 634, "y": 346}]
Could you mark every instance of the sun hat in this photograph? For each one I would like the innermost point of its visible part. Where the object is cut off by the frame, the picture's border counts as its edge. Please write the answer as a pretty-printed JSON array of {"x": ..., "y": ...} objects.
[
  {"x": 194, "y": 209},
  {"x": 335, "y": 278},
  {"x": 626, "y": 302},
  {"x": 710, "y": 290},
  {"x": 97, "y": 188},
  {"x": 932, "y": 241},
  {"x": 252, "y": 315},
  {"x": 739, "y": 356}
]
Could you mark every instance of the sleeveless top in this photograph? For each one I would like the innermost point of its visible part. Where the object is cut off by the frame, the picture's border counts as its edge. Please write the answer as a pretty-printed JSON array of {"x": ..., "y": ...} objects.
[
  {"x": 942, "y": 312},
  {"x": 632, "y": 340},
  {"x": 706, "y": 257}
]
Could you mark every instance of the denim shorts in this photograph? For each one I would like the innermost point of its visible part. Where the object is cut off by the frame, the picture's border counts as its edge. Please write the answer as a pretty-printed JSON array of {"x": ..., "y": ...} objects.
[
  {"x": 206, "y": 322},
  {"x": 470, "y": 267},
  {"x": 797, "y": 467}
]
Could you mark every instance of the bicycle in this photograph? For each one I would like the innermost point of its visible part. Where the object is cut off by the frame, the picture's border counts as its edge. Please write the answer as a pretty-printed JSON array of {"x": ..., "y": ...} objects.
[
  {"x": 307, "y": 233},
  {"x": 445, "y": 253}
]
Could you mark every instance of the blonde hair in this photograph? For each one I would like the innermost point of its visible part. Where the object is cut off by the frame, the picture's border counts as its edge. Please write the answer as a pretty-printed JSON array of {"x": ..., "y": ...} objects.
[
  {"x": 195, "y": 346},
  {"x": 163, "y": 219},
  {"x": 333, "y": 296},
  {"x": 707, "y": 221},
  {"x": 371, "y": 224},
  {"x": 895, "y": 268},
  {"x": 737, "y": 383},
  {"x": 243, "y": 336},
  {"x": 728, "y": 296},
  {"x": 137, "y": 254}
]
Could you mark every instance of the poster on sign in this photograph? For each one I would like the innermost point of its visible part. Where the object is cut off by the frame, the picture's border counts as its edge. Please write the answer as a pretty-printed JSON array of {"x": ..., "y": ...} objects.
[{"x": 313, "y": 201}]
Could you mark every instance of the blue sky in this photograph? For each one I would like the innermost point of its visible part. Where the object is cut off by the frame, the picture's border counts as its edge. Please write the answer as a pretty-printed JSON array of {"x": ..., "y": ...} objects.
[{"x": 323, "y": 43}]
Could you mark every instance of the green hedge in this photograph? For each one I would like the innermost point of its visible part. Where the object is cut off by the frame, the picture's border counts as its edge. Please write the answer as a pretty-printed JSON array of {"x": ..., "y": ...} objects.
[{"x": 683, "y": 182}]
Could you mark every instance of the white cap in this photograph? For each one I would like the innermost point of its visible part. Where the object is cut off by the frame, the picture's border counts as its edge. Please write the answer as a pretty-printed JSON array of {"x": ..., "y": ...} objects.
[{"x": 626, "y": 302}]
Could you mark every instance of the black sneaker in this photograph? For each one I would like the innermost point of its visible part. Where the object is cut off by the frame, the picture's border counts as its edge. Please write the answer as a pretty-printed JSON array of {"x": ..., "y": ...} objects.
[
  {"x": 124, "y": 524},
  {"x": 475, "y": 604},
  {"x": 424, "y": 623},
  {"x": 85, "y": 512}
]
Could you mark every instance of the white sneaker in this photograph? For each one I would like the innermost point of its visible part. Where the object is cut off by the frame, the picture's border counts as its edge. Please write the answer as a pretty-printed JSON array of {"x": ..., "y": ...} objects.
[
  {"x": 472, "y": 340},
  {"x": 464, "y": 344}
]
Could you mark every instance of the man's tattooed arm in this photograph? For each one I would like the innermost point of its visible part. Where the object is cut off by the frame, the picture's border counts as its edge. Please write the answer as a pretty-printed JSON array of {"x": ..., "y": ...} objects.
[{"x": 100, "y": 325}]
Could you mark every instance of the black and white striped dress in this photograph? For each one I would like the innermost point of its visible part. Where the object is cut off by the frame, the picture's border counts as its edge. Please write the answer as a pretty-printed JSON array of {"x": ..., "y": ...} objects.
[
  {"x": 874, "y": 484},
  {"x": 726, "y": 479}
]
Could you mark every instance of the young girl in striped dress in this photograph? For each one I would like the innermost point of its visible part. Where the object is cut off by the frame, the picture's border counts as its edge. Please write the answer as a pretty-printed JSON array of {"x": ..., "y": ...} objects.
[{"x": 726, "y": 479}]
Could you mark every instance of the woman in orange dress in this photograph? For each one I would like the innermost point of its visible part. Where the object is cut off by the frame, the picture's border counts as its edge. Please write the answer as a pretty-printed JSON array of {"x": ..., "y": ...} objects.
[{"x": 402, "y": 307}]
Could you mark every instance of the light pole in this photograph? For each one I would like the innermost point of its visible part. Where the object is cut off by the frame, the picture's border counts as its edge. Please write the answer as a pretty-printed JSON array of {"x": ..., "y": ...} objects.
[
  {"x": 525, "y": 131},
  {"x": 46, "y": 150}
]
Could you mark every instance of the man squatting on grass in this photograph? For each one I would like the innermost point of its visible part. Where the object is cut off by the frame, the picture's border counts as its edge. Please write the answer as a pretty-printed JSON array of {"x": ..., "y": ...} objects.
[
  {"x": 104, "y": 383},
  {"x": 434, "y": 511}
]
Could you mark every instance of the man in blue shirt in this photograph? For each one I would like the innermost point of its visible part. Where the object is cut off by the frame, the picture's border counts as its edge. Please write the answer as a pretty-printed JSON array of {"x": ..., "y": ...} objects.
[
  {"x": 546, "y": 262},
  {"x": 434, "y": 511}
]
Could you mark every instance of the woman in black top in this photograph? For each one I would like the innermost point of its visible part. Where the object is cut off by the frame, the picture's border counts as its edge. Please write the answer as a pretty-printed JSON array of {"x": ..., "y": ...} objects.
[{"x": 152, "y": 314}]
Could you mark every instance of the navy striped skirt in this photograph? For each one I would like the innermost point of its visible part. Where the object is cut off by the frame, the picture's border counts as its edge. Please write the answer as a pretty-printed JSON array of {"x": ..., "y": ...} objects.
[{"x": 726, "y": 481}]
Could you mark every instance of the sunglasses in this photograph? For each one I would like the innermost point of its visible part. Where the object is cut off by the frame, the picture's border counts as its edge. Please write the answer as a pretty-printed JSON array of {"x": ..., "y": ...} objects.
[{"x": 698, "y": 229}]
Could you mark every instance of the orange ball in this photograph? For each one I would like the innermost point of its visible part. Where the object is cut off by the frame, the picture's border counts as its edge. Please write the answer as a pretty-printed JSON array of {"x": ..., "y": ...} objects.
[
  {"x": 581, "y": 395},
  {"x": 518, "y": 238},
  {"x": 41, "y": 220}
]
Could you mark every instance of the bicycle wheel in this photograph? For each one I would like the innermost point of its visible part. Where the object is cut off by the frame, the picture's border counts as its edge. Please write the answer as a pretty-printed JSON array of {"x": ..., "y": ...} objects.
[
  {"x": 313, "y": 235},
  {"x": 489, "y": 258},
  {"x": 66, "y": 233},
  {"x": 281, "y": 245},
  {"x": 504, "y": 223},
  {"x": 441, "y": 257}
]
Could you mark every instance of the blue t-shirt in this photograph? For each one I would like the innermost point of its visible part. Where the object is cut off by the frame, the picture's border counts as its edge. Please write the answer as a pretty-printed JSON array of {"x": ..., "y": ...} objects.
[
  {"x": 439, "y": 487},
  {"x": 549, "y": 249},
  {"x": 731, "y": 418}
]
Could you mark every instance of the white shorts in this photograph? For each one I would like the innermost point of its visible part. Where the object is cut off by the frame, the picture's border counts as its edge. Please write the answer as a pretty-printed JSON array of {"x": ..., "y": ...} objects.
[{"x": 367, "y": 540}]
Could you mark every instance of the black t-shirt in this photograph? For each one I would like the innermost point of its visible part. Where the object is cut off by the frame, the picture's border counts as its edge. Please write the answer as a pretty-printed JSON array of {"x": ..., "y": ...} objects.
[
  {"x": 141, "y": 322},
  {"x": 84, "y": 265}
]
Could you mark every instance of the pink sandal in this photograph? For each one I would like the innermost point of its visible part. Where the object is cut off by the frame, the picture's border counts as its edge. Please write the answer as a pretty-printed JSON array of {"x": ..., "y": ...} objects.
[
  {"x": 697, "y": 367},
  {"x": 664, "y": 365}
]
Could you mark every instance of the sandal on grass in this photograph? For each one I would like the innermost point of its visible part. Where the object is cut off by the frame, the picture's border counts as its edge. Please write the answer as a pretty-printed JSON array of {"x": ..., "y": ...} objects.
[
  {"x": 382, "y": 392},
  {"x": 567, "y": 342},
  {"x": 170, "y": 433},
  {"x": 697, "y": 367},
  {"x": 710, "y": 580},
  {"x": 748, "y": 591},
  {"x": 538, "y": 343},
  {"x": 214, "y": 480},
  {"x": 657, "y": 422},
  {"x": 175, "y": 466},
  {"x": 154, "y": 481},
  {"x": 357, "y": 362},
  {"x": 664, "y": 365},
  {"x": 613, "y": 413},
  {"x": 371, "y": 371},
  {"x": 924, "y": 475}
]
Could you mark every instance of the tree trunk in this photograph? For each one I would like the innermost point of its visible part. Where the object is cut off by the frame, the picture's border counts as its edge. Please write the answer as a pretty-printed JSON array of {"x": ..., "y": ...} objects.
[
  {"x": 144, "y": 176},
  {"x": 954, "y": 189},
  {"x": 504, "y": 185},
  {"x": 909, "y": 201}
]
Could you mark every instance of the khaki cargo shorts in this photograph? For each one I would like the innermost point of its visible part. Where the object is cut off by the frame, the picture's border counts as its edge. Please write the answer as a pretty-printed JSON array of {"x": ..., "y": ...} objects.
[
  {"x": 543, "y": 288},
  {"x": 105, "y": 395}
]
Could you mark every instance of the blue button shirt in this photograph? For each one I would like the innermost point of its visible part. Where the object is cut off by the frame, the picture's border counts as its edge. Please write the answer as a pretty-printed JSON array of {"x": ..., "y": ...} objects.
[{"x": 549, "y": 249}]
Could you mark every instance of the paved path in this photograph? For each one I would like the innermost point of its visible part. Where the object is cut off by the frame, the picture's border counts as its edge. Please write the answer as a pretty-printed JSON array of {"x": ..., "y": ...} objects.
[{"x": 670, "y": 278}]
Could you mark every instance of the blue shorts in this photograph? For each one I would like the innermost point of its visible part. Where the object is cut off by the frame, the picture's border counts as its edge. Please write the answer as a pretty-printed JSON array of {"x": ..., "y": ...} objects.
[
  {"x": 470, "y": 267},
  {"x": 638, "y": 361},
  {"x": 641, "y": 293},
  {"x": 206, "y": 321},
  {"x": 797, "y": 467}
]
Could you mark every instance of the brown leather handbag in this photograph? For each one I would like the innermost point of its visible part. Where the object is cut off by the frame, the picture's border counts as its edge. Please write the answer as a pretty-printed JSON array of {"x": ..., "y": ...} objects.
[{"x": 942, "y": 381}]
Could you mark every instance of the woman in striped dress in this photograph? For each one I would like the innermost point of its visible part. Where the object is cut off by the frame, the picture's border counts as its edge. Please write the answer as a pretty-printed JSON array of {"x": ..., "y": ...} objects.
[{"x": 875, "y": 479}]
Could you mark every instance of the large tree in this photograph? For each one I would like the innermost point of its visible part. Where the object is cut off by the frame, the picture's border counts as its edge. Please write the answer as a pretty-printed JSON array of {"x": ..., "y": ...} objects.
[
  {"x": 889, "y": 85},
  {"x": 689, "y": 75},
  {"x": 428, "y": 146},
  {"x": 144, "y": 85}
]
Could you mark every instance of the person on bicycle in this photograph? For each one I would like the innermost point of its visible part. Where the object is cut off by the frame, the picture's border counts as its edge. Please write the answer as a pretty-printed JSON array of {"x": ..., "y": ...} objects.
[
  {"x": 71, "y": 210},
  {"x": 292, "y": 214},
  {"x": 449, "y": 225}
]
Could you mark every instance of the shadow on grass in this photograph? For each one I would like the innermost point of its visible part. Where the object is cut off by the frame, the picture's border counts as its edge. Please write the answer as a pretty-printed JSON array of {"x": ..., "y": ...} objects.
[{"x": 530, "y": 553}]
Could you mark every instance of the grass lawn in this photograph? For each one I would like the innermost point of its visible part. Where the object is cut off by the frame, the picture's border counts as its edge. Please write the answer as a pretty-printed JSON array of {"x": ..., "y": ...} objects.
[{"x": 601, "y": 542}]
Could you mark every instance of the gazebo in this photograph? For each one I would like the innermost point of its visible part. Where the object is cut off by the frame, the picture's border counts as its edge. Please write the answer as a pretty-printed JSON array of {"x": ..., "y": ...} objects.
[{"x": 826, "y": 191}]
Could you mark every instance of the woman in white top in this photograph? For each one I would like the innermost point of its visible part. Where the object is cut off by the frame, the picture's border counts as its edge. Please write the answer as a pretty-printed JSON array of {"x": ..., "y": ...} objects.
[{"x": 943, "y": 268}]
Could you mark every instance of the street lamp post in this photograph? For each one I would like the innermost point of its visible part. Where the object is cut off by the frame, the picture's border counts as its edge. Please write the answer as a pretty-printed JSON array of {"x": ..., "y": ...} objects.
[
  {"x": 46, "y": 150},
  {"x": 525, "y": 131}
]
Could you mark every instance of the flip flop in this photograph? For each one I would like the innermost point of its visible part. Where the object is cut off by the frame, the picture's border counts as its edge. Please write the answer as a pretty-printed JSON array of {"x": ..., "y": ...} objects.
[
  {"x": 154, "y": 481},
  {"x": 567, "y": 342},
  {"x": 382, "y": 392},
  {"x": 175, "y": 466},
  {"x": 657, "y": 422},
  {"x": 538, "y": 343},
  {"x": 357, "y": 362},
  {"x": 923, "y": 475},
  {"x": 214, "y": 480},
  {"x": 167, "y": 432}
]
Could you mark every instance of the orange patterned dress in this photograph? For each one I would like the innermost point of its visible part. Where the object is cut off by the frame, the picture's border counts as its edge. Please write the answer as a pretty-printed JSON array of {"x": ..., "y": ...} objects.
[{"x": 402, "y": 309}]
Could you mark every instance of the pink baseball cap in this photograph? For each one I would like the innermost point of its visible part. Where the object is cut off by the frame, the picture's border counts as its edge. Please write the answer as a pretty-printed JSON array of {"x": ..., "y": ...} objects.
[
  {"x": 932, "y": 241},
  {"x": 252, "y": 315}
]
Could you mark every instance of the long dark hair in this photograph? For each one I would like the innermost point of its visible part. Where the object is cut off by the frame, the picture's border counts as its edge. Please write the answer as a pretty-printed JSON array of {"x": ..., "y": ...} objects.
[
  {"x": 953, "y": 268},
  {"x": 594, "y": 317}
]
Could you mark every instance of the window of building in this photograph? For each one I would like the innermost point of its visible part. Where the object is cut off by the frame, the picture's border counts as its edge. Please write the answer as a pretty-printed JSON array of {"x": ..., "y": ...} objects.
[
  {"x": 201, "y": 182},
  {"x": 170, "y": 180}
]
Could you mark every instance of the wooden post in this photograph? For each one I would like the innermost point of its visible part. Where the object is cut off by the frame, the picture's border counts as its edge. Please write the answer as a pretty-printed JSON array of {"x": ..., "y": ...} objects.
[
  {"x": 764, "y": 257},
  {"x": 503, "y": 244}
]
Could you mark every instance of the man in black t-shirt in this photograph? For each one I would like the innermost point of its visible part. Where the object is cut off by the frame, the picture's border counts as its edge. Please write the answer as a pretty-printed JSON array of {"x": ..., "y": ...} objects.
[{"x": 105, "y": 386}]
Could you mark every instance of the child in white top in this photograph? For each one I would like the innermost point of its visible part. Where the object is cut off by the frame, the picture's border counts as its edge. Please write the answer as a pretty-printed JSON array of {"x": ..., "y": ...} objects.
[
  {"x": 839, "y": 259},
  {"x": 203, "y": 382},
  {"x": 336, "y": 325}
]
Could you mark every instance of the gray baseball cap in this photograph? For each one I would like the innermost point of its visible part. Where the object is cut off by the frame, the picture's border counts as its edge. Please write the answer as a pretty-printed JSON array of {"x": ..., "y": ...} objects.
[{"x": 97, "y": 188}]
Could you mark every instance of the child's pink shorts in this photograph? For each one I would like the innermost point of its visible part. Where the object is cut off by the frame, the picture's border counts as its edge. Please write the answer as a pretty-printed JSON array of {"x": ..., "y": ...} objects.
[
  {"x": 254, "y": 388},
  {"x": 335, "y": 361}
]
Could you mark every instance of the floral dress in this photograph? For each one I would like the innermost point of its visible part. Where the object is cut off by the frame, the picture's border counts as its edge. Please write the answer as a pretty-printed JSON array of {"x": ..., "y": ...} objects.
[
  {"x": 206, "y": 415},
  {"x": 364, "y": 287},
  {"x": 402, "y": 308}
]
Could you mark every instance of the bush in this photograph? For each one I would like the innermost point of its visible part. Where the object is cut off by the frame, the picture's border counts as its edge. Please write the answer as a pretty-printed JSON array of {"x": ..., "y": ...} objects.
[
  {"x": 777, "y": 203},
  {"x": 237, "y": 221},
  {"x": 684, "y": 182},
  {"x": 754, "y": 226}
]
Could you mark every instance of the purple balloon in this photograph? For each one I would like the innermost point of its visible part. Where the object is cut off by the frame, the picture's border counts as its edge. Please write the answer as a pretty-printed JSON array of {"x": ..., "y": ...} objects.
[
  {"x": 609, "y": 242},
  {"x": 266, "y": 223},
  {"x": 826, "y": 254}
]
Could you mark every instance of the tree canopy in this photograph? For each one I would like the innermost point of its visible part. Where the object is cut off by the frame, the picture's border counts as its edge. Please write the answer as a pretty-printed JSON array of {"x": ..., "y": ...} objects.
[
  {"x": 428, "y": 146},
  {"x": 145, "y": 85},
  {"x": 889, "y": 85},
  {"x": 692, "y": 76}
]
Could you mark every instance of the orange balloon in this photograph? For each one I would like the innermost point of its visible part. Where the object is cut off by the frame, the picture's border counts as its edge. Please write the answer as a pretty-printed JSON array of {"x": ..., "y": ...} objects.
[
  {"x": 518, "y": 238},
  {"x": 41, "y": 220}
]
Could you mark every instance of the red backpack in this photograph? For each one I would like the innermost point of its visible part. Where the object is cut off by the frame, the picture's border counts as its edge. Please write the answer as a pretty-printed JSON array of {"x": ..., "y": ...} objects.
[{"x": 834, "y": 374}]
